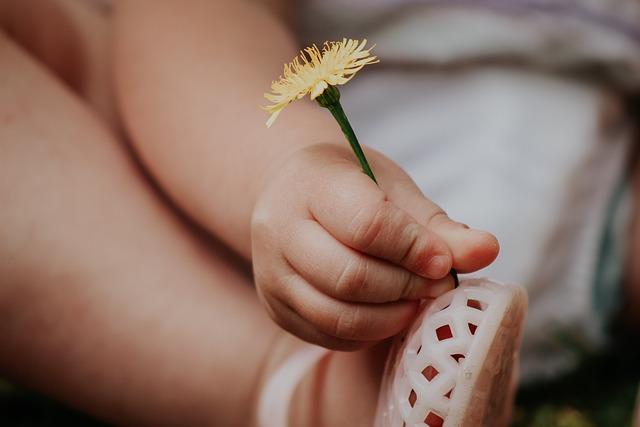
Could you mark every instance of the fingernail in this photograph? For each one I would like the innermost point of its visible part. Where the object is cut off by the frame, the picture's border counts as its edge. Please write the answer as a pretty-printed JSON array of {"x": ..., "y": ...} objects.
[{"x": 438, "y": 266}]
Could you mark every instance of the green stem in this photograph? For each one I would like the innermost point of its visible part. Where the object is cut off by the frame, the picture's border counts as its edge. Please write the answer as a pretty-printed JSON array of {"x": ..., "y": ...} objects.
[{"x": 330, "y": 99}]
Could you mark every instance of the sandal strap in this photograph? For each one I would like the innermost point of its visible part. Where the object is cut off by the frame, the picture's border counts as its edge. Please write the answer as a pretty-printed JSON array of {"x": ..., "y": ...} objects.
[{"x": 275, "y": 399}]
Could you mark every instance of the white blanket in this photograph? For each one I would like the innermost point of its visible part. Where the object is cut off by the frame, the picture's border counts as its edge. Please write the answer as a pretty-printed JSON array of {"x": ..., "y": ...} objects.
[{"x": 483, "y": 106}]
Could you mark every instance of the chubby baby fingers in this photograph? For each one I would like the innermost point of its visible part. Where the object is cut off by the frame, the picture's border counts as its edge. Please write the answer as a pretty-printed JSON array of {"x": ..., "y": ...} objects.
[
  {"x": 348, "y": 275},
  {"x": 291, "y": 321},
  {"x": 363, "y": 219},
  {"x": 344, "y": 320}
]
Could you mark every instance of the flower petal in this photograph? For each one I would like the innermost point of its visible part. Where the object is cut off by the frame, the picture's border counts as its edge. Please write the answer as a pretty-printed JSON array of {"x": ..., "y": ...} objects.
[{"x": 313, "y": 70}]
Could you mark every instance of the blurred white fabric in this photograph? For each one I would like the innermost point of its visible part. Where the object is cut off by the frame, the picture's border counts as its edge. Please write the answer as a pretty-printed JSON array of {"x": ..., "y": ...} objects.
[{"x": 527, "y": 152}]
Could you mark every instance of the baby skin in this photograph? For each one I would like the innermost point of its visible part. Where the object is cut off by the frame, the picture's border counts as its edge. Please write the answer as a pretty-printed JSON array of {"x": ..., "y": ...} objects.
[{"x": 113, "y": 298}]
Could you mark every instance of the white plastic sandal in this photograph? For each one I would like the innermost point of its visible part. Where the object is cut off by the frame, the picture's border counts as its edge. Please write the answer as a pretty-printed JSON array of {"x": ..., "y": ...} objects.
[{"x": 456, "y": 366}]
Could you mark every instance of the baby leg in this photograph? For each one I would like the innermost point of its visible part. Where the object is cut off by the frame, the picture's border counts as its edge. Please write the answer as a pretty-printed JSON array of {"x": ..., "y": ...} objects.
[
  {"x": 109, "y": 302},
  {"x": 70, "y": 38},
  {"x": 106, "y": 299}
]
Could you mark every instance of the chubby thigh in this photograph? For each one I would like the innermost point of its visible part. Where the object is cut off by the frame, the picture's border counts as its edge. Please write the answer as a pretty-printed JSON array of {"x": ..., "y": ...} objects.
[{"x": 107, "y": 300}]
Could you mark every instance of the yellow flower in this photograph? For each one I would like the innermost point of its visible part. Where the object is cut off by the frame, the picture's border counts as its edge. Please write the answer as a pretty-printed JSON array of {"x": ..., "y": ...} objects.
[{"x": 313, "y": 71}]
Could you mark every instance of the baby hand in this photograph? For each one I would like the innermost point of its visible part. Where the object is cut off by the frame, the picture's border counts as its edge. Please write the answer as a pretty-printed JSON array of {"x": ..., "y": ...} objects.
[{"x": 341, "y": 262}]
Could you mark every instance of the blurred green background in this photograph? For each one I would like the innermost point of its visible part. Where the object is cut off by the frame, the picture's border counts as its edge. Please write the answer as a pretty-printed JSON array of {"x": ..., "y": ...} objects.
[{"x": 600, "y": 393}]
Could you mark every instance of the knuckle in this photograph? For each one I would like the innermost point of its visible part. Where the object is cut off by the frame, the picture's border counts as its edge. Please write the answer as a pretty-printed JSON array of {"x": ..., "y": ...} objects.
[
  {"x": 349, "y": 324},
  {"x": 438, "y": 215},
  {"x": 410, "y": 240},
  {"x": 368, "y": 224},
  {"x": 407, "y": 287},
  {"x": 352, "y": 279}
]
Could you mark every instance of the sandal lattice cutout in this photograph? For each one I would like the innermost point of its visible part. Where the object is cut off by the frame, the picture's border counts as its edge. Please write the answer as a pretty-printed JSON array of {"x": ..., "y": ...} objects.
[{"x": 456, "y": 365}]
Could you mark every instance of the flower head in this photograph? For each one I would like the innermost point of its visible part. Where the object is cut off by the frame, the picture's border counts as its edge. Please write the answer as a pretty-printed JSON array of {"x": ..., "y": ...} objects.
[{"x": 313, "y": 71}]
